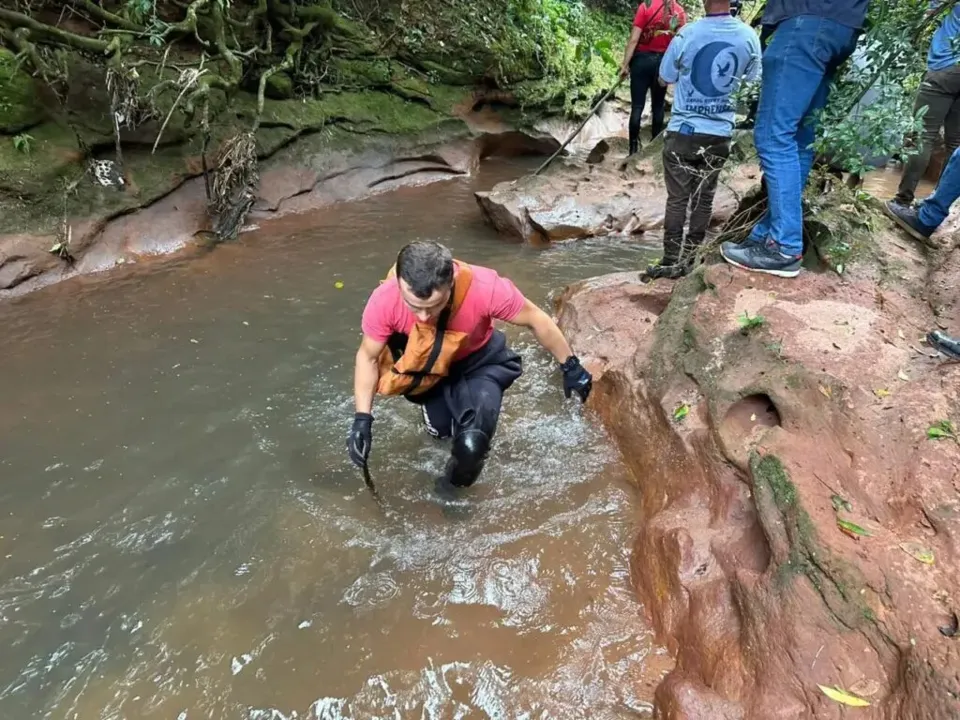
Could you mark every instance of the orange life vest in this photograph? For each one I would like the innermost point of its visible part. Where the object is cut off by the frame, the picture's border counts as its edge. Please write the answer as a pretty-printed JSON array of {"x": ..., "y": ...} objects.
[{"x": 424, "y": 361}]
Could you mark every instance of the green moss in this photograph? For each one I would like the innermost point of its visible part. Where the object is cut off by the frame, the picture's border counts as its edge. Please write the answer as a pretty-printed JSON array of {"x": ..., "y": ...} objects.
[
  {"x": 363, "y": 72},
  {"x": 375, "y": 111},
  {"x": 770, "y": 471},
  {"x": 19, "y": 107},
  {"x": 279, "y": 86},
  {"x": 52, "y": 154}
]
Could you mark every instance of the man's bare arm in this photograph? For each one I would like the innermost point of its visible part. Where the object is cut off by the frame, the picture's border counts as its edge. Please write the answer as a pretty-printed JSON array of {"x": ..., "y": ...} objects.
[
  {"x": 545, "y": 330},
  {"x": 366, "y": 374}
]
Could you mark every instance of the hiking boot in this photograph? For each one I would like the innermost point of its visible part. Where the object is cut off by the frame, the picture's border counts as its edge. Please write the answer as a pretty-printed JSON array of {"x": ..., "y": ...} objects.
[
  {"x": 664, "y": 269},
  {"x": 762, "y": 257},
  {"x": 909, "y": 219},
  {"x": 949, "y": 346}
]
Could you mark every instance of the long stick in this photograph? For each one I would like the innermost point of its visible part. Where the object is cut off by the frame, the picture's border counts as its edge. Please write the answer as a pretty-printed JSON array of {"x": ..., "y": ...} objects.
[
  {"x": 369, "y": 481},
  {"x": 576, "y": 132}
]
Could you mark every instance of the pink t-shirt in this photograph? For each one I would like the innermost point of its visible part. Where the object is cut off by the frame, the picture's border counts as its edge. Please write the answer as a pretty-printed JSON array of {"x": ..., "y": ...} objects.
[{"x": 489, "y": 298}]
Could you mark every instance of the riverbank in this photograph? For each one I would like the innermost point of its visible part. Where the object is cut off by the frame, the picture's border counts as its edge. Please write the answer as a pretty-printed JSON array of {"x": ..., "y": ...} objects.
[
  {"x": 794, "y": 444},
  {"x": 80, "y": 193}
]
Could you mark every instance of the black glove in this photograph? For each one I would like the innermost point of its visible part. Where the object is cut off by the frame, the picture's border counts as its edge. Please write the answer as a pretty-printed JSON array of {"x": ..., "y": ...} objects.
[
  {"x": 360, "y": 439},
  {"x": 576, "y": 378}
]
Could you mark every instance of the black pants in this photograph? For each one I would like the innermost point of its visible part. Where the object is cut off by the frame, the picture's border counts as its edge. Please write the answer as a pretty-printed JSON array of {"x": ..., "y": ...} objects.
[
  {"x": 691, "y": 169},
  {"x": 466, "y": 405},
  {"x": 940, "y": 94},
  {"x": 644, "y": 76},
  {"x": 487, "y": 395}
]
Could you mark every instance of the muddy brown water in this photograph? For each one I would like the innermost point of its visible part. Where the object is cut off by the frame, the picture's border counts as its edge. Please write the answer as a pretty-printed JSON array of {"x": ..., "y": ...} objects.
[{"x": 182, "y": 537}]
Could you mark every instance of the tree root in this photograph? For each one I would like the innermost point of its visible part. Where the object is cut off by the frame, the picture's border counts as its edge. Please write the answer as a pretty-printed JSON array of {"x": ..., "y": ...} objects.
[
  {"x": 62, "y": 37},
  {"x": 265, "y": 37}
]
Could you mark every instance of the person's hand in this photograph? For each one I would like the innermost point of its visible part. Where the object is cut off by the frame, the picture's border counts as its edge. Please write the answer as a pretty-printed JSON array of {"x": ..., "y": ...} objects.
[
  {"x": 360, "y": 439},
  {"x": 624, "y": 70},
  {"x": 576, "y": 379}
]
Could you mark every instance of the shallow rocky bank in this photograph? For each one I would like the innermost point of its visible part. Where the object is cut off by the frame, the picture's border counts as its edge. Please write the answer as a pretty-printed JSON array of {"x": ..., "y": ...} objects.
[
  {"x": 798, "y": 527},
  {"x": 600, "y": 194},
  {"x": 390, "y": 129}
]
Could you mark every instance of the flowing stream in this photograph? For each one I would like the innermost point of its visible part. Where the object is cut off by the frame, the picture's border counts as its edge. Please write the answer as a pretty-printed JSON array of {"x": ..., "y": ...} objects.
[{"x": 182, "y": 536}]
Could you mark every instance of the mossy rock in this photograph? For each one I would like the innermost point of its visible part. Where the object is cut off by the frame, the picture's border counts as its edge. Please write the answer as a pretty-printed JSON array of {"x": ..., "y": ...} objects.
[
  {"x": 279, "y": 86},
  {"x": 19, "y": 105},
  {"x": 360, "y": 72},
  {"x": 32, "y": 166}
]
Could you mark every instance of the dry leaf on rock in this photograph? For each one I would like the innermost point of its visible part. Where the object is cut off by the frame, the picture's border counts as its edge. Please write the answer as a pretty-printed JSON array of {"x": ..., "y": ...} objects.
[{"x": 842, "y": 696}]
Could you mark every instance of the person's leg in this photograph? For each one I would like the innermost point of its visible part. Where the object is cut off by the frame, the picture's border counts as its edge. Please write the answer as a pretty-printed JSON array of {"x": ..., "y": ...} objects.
[
  {"x": 678, "y": 181},
  {"x": 471, "y": 442},
  {"x": 803, "y": 53},
  {"x": 921, "y": 222},
  {"x": 766, "y": 31},
  {"x": 938, "y": 102},
  {"x": 934, "y": 210},
  {"x": 640, "y": 78},
  {"x": 951, "y": 125},
  {"x": 951, "y": 129},
  {"x": 436, "y": 417},
  {"x": 658, "y": 101},
  {"x": 716, "y": 150}
]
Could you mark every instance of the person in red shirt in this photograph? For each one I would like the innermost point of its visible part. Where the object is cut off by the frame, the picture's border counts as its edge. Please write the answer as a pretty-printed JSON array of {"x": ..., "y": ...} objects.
[
  {"x": 429, "y": 336},
  {"x": 654, "y": 26}
]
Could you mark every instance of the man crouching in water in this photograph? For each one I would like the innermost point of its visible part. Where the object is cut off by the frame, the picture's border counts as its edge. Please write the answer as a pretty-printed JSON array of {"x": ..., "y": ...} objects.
[{"x": 428, "y": 335}]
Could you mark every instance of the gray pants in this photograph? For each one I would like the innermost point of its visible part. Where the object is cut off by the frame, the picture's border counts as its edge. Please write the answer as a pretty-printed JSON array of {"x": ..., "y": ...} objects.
[
  {"x": 940, "y": 93},
  {"x": 691, "y": 169}
]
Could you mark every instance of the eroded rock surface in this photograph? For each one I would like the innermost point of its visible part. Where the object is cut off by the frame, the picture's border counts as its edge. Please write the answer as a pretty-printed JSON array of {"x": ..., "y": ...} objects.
[
  {"x": 748, "y": 446},
  {"x": 609, "y": 194},
  {"x": 154, "y": 218}
]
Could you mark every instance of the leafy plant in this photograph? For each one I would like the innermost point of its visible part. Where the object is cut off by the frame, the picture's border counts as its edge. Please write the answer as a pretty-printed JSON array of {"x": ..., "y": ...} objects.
[
  {"x": 943, "y": 430},
  {"x": 681, "y": 412},
  {"x": 749, "y": 322},
  {"x": 870, "y": 109},
  {"x": 140, "y": 10},
  {"x": 23, "y": 143},
  {"x": 840, "y": 503}
]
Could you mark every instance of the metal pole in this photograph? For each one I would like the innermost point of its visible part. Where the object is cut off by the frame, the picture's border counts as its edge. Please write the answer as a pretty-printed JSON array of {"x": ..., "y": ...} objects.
[{"x": 576, "y": 132}]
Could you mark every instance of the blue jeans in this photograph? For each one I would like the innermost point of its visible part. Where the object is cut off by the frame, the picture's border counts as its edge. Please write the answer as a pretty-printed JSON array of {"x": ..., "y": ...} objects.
[
  {"x": 934, "y": 209},
  {"x": 798, "y": 66}
]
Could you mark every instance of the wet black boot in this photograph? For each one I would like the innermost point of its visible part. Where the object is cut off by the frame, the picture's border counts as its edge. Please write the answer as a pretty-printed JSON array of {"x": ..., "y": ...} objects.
[{"x": 467, "y": 458}]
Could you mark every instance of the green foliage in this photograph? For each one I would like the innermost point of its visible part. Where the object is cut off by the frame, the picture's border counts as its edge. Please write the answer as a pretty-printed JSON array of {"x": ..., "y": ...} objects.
[
  {"x": 19, "y": 105},
  {"x": 943, "y": 430},
  {"x": 748, "y": 322},
  {"x": 870, "y": 110},
  {"x": 547, "y": 50},
  {"x": 23, "y": 143},
  {"x": 140, "y": 10}
]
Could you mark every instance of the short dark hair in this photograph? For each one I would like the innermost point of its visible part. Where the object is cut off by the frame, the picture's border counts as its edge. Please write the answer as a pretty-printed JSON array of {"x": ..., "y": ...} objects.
[{"x": 425, "y": 266}]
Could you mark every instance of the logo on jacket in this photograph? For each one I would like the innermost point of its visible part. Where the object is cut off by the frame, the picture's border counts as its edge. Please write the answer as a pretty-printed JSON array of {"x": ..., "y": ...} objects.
[{"x": 715, "y": 69}]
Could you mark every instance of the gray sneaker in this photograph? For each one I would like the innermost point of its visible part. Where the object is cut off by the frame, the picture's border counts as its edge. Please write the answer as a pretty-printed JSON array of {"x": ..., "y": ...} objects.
[
  {"x": 764, "y": 258},
  {"x": 909, "y": 219}
]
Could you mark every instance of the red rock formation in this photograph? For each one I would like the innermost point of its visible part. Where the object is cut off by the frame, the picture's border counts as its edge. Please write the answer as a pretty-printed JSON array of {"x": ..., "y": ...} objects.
[
  {"x": 610, "y": 195},
  {"x": 819, "y": 413}
]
